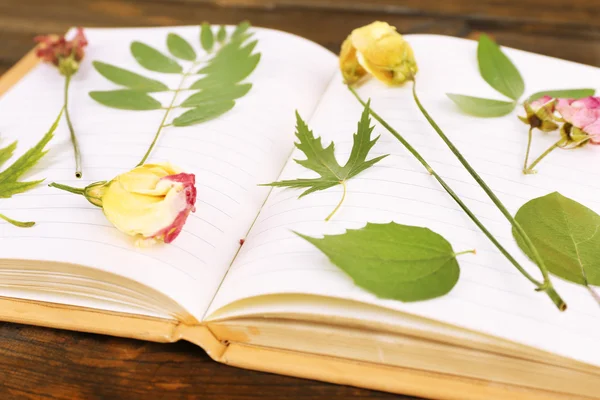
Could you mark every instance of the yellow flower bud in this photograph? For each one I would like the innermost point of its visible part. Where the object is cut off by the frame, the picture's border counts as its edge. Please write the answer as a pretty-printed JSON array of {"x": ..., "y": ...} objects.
[
  {"x": 381, "y": 51},
  {"x": 151, "y": 202},
  {"x": 352, "y": 71}
]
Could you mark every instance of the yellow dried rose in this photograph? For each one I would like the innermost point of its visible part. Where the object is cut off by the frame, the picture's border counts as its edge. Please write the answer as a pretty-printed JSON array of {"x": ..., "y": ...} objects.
[
  {"x": 380, "y": 50},
  {"x": 151, "y": 202}
]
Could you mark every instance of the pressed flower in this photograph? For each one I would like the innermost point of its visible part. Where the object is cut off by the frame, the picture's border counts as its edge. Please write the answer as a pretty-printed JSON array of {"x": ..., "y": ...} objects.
[
  {"x": 377, "y": 49},
  {"x": 540, "y": 114},
  {"x": 66, "y": 55},
  {"x": 582, "y": 120},
  {"x": 151, "y": 202}
]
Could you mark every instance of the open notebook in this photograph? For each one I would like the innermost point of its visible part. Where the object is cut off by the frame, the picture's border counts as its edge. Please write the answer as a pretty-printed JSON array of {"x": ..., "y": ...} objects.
[{"x": 276, "y": 303}]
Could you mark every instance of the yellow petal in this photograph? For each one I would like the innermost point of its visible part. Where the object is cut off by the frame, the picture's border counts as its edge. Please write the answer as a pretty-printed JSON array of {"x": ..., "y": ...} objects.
[{"x": 352, "y": 71}]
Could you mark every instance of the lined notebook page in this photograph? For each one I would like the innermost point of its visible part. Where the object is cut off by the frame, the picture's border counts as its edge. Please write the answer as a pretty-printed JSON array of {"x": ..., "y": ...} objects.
[
  {"x": 491, "y": 296},
  {"x": 229, "y": 156}
]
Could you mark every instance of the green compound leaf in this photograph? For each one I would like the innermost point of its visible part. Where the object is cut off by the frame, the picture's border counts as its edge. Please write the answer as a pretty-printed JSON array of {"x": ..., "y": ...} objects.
[
  {"x": 563, "y": 93},
  {"x": 129, "y": 79},
  {"x": 222, "y": 94},
  {"x": 204, "y": 113},
  {"x": 221, "y": 34},
  {"x": 497, "y": 69},
  {"x": 566, "y": 235},
  {"x": 207, "y": 38},
  {"x": 180, "y": 48},
  {"x": 481, "y": 107},
  {"x": 9, "y": 178},
  {"x": 126, "y": 100},
  {"x": 152, "y": 59},
  {"x": 394, "y": 261}
]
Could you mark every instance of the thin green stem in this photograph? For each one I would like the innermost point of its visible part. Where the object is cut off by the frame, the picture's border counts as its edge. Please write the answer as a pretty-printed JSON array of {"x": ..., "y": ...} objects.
[
  {"x": 541, "y": 157},
  {"x": 20, "y": 224},
  {"x": 536, "y": 257},
  {"x": 343, "y": 183},
  {"x": 465, "y": 252},
  {"x": 595, "y": 295},
  {"x": 67, "y": 188},
  {"x": 171, "y": 106},
  {"x": 539, "y": 285},
  {"x": 78, "y": 173},
  {"x": 528, "y": 148}
]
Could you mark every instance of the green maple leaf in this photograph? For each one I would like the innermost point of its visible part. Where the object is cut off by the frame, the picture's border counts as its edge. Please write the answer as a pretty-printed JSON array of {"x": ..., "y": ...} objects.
[
  {"x": 9, "y": 178},
  {"x": 323, "y": 161}
]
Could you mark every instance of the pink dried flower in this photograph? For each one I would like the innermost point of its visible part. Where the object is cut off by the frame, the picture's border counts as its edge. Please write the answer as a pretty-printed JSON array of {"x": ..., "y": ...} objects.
[
  {"x": 65, "y": 54},
  {"x": 582, "y": 119}
]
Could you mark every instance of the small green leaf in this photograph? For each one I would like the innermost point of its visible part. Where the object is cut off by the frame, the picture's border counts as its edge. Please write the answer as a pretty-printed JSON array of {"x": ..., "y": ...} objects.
[
  {"x": 207, "y": 38},
  {"x": 7, "y": 152},
  {"x": 394, "y": 261},
  {"x": 204, "y": 113},
  {"x": 497, "y": 69},
  {"x": 221, "y": 34},
  {"x": 180, "y": 48},
  {"x": 126, "y": 100},
  {"x": 129, "y": 79},
  {"x": 563, "y": 93},
  {"x": 566, "y": 235},
  {"x": 240, "y": 30},
  {"x": 212, "y": 96},
  {"x": 152, "y": 59},
  {"x": 481, "y": 107},
  {"x": 17, "y": 223}
]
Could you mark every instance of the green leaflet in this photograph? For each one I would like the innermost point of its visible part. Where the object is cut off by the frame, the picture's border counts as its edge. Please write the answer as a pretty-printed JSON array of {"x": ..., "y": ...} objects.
[
  {"x": 481, "y": 107},
  {"x": 233, "y": 63},
  {"x": 152, "y": 59},
  {"x": 126, "y": 100},
  {"x": 240, "y": 30},
  {"x": 207, "y": 38},
  {"x": 204, "y": 113},
  {"x": 563, "y": 93},
  {"x": 566, "y": 235},
  {"x": 128, "y": 79},
  {"x": 222, "y": 94},
  {"x": 394, "y": 261},
  {"x": 180, "y": 48},
  {"x": 497, "y": 69},
  {"x": 221, "y": 34}
]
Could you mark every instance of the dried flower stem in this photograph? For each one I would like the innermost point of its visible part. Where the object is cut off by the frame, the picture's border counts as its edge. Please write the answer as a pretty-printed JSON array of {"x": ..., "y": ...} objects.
[
  {"x": 530, "y": 134},
  {"x": 78, "y": 172},
  {"x": 529, "y": 170},
  {"x": 546, "y": 285}
]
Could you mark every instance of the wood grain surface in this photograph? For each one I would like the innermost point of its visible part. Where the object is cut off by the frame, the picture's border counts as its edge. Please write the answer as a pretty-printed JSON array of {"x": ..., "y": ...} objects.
[{"x": 37, "y": 363}]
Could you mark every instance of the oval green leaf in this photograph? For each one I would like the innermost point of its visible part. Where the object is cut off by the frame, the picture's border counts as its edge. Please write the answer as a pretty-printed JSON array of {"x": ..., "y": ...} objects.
[
  {"x": 204, "y": 97},
  {"x": 204, "y": 113},
  {"x": 394, "y": 261},
  {"x": 126, "y": 100},
  {"x": 129, "y": 79},
  {"x": 180, "y": 48},
  {"x": 207, "y": 38},
  {"x": 152, "y": 59},
  {"x": 221, "y": 34},
  {"x": 563, "y": 93},
  {"x": 566, "y": 235},
  {"x": 481, "y": 107},
  {"x": 240, "y": 30},
  {"x": 497, "y": 69}
]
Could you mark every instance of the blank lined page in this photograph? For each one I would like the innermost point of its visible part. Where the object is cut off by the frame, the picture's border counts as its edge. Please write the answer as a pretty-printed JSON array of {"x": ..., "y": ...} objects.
[
  {"x": 491, "y": 295},
  {"x": 229, "y": 156}
]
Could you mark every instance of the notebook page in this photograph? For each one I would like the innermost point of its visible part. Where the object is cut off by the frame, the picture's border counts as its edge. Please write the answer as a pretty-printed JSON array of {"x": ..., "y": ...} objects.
[
  {"x": 229, "y": 156},
  {"x": 491, "y": 296}
]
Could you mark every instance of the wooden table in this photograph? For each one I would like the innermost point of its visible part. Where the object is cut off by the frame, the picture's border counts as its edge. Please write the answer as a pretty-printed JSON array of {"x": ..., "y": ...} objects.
[{"x": 42, "y": 363}]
